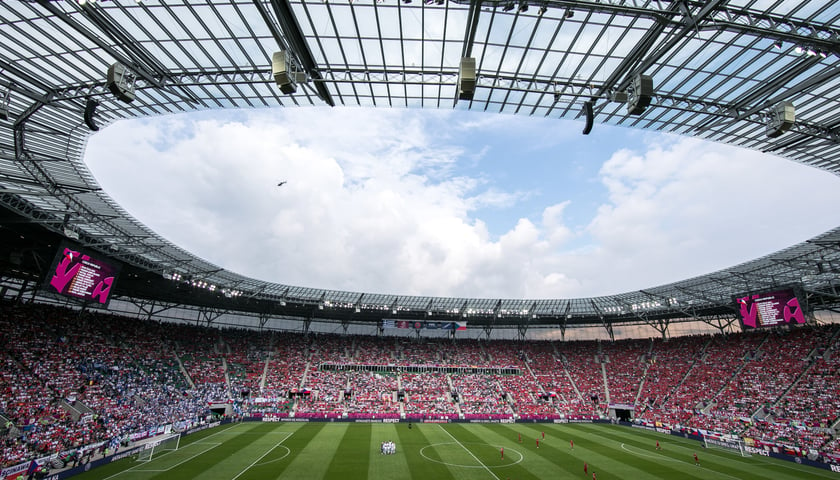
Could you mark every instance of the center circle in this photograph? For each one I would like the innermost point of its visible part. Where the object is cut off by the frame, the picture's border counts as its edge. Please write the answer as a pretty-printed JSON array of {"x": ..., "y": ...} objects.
[{"x": 463, "y": 446}]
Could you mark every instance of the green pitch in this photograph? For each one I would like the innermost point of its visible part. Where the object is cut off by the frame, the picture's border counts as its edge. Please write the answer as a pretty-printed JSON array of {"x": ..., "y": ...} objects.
[{"x": 350, "y": 451}]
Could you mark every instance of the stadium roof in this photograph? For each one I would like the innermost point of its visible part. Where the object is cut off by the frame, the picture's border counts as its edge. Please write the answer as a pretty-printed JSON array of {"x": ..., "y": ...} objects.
[{"x": 720, "y": 70}]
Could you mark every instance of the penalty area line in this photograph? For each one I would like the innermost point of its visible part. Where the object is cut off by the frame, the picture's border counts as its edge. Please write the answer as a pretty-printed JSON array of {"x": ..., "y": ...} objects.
[
  {"x": 136, "y": 467},
  {"x": 665, "y": 457}
]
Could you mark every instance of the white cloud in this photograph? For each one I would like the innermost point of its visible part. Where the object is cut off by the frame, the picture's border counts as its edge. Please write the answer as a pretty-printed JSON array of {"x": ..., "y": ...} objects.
[
  {"x": 686, "y": 207},
  {"x": 372, "y": 203}
]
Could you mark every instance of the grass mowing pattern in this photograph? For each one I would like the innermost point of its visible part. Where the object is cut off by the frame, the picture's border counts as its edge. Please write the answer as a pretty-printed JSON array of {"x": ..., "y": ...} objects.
[{"x": 350, "y": 451}]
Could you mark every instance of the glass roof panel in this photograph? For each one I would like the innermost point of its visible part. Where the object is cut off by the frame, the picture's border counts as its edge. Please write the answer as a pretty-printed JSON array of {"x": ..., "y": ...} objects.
[{"x": 393, "y": 54}]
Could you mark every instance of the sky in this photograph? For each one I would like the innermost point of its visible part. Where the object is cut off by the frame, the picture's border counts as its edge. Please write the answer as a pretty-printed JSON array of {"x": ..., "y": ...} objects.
[{"x": 454, "y": 203}]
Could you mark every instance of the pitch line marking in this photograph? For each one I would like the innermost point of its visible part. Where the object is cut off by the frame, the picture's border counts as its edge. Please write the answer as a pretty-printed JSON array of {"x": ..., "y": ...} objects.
[
  {"x": 288, "y": 452},
  {"x": 521, "y": 457},
  {"x": 648, "y": 455},
  {"x": 182, "y": 461},
  {"x": 263, "y": 456},
  {"x": 135, "y": 468},
  {"x": 663, "y": 457},
  {"x": 468, "y": 451},
  {"x": 179, "y": 463}
]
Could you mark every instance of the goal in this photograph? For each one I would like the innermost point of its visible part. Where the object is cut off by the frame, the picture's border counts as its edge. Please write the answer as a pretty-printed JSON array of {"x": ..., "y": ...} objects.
[
  {"x": 155, "y": 448},
  {"x": 713, "y": 441}
]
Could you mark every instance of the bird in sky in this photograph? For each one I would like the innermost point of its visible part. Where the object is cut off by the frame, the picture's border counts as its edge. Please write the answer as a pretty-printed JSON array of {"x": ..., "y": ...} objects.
[{"x": 281, "y": 183}]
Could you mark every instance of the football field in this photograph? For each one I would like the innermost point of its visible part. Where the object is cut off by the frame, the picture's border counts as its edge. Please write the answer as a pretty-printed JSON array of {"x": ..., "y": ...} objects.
[{"x": 351, "y": 451}]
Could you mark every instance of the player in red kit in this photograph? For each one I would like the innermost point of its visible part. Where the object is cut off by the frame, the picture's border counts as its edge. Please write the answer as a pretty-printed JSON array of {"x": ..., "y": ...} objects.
[
  {"x": 593, "y": 476},
  {"x": 520, "y": 438},
  {"x": 502, "y": 451},
  {"x": 543, "y": 435},
  {"x": 657, "y": 445},
  {"x": 538, "y": 443},
  {"x": 696, "y": 460},
  {"x": 585, "y": 468},
  {"x": 571, "y": 444}
]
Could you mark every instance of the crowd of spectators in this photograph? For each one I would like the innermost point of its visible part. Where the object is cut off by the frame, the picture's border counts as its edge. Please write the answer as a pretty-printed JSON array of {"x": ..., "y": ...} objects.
[
  {"x": 427, "y": 394},
  {"x": 625, "y": 362},
  {"x": 72, "y": 379},
  {"x": 582, "y": 361},
  {"x": 68, "y": 379}
]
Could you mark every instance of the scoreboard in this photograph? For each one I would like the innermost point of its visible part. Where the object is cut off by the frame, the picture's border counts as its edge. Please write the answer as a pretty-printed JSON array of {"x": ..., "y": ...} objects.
[
  {"x": 770, "y": 309},
  {"x": 81, "y": 274}
]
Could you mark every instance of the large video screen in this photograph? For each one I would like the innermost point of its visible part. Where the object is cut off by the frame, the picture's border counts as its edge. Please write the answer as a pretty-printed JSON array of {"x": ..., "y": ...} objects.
[
  {"x": 770, "y": 309},
  {"x": 82, "y": 275}
]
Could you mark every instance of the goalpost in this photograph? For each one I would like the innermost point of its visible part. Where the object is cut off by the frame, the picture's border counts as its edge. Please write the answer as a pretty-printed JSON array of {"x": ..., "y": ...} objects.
[
  {"x": 731, "y": 444},
  {"x": 167, "y": 443}
]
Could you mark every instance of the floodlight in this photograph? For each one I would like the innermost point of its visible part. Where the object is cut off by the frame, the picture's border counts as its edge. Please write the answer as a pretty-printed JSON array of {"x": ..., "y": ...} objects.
[
  {"x": 781, "y": 119},
  {"x": 282, "y": 69},
  {"x": 69, "y": 233},
  {"x": 466, "y": 78},
  {"x": 641, "y": 93},
  {"x": 121, "y": 82}
]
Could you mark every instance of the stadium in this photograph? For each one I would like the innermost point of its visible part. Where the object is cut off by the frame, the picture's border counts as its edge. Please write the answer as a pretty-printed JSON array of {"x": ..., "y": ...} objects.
[{"x": 126, "y": 355}]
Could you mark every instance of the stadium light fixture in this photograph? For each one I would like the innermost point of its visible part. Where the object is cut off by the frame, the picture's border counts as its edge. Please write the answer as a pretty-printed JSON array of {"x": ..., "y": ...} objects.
[
  {"x": 641, "y": 94},
  {"x": 811, "y": 52},
  {"x": 72, "y": 234},
  {"x": 120, "y": 82},
  {"x": 523, "y": 7},
  {"x": 777, "y": 44},
  {"x": 543, "y": 9},
  {"x": 286, "y": 72},
  {"x": 799, "y": 49},
  {"x": 466, "y": 78},
  {"x": 780, "y": 119},
  {"x": 508, "y": 7},
  {"x": 569, "y": 13}
]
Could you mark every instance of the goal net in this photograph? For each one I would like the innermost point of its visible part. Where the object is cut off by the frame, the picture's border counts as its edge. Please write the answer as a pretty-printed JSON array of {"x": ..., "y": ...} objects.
[
  {"x": 155, "y": 448},
  {"x": 734, "y": 444}
]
